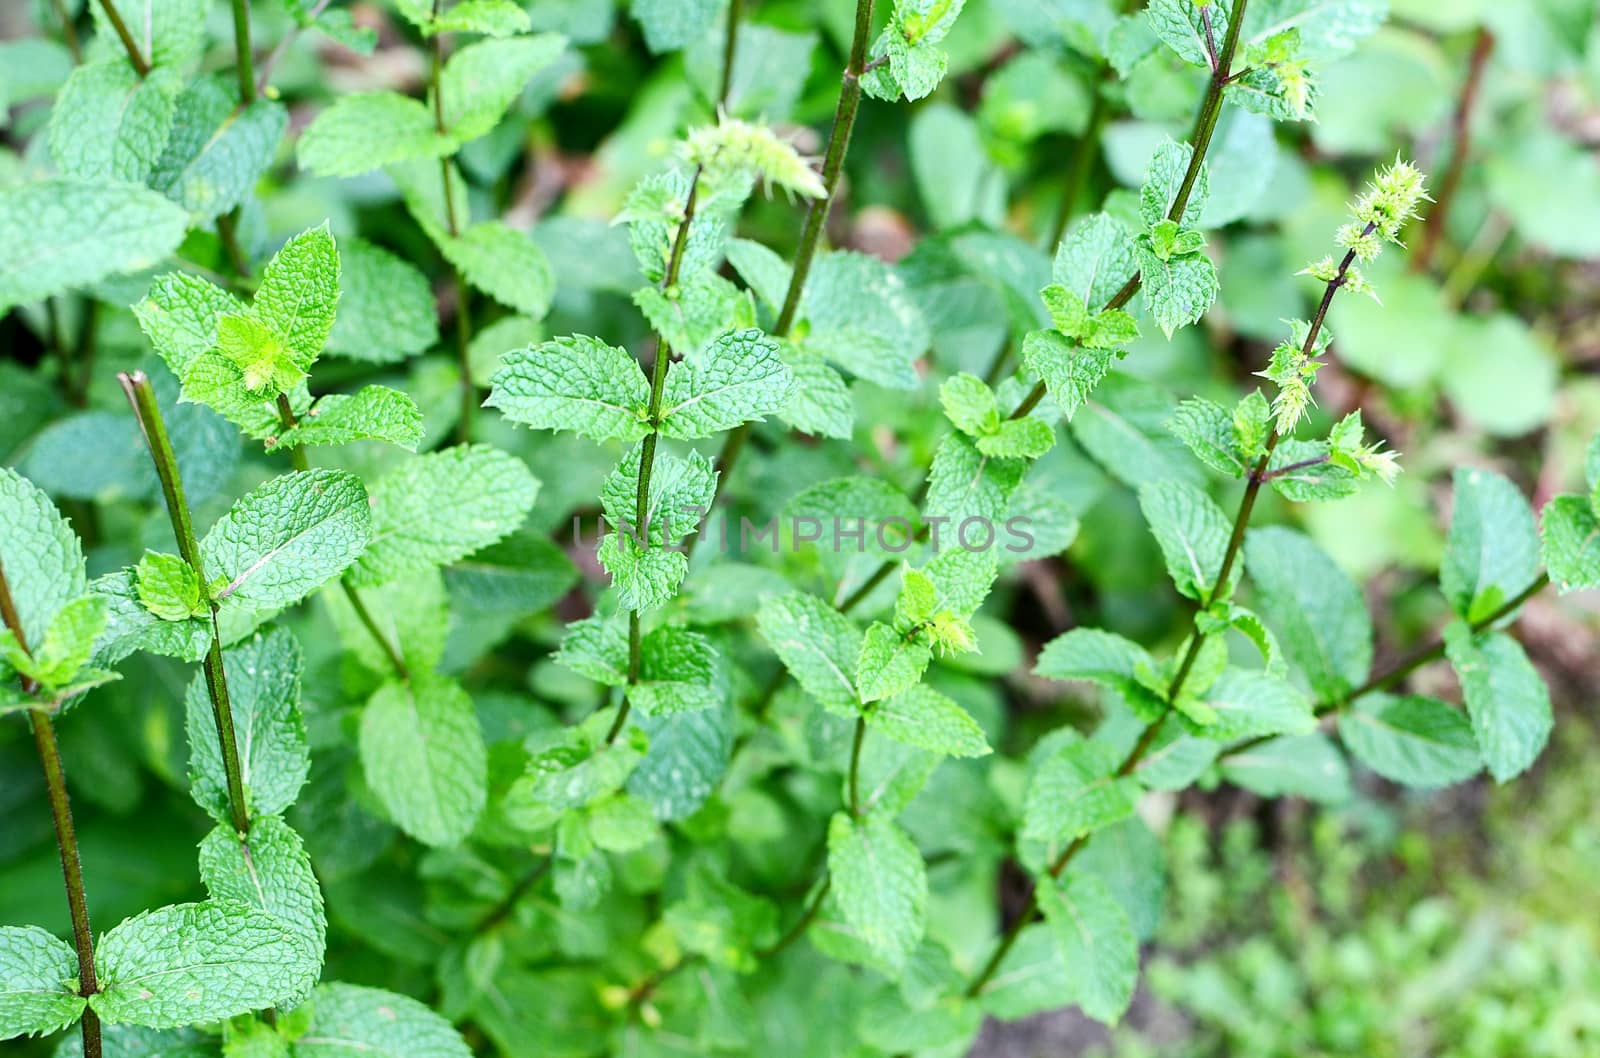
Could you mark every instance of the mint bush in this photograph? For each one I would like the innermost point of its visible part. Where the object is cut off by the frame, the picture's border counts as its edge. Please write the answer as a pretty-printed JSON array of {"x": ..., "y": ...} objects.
[{"x": 729, "y": 763}]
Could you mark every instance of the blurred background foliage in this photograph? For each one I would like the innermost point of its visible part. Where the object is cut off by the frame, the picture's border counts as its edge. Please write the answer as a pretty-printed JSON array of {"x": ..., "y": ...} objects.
[{"x": 1368, "y": 923}]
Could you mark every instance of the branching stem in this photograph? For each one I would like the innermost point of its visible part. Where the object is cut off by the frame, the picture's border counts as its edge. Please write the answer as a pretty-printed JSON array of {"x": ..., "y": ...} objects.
[
  {"x": 142, "y": 396},
  {"x": 44, "y": 738},
  {"x": 844, "y": 123}
]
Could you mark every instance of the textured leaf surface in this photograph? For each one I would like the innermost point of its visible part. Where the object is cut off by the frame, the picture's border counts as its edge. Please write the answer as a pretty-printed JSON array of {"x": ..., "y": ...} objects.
[
  {"x": 1069, "y": 370},
  {"x": 1104, "y": 658},
  {"x": 349, "y": 1020},
  {"x": 1506, "y": 699},
  {"x": 1308, "y": 766},
  {"x": 1178, "y": 290},
  {"x": 264, "y": 696},
  {"x": 1095, "y": 260},
  {"x": 1413, "y": 740},
  {"x": 367, "y": 131},
  {"x": 889, "y": 662},
  {"x": 738, "y": 379},
  {"x": 1316, "y": 610},
  {"x": 192, "y": 963},
  {"x": 1192, "y": 532},
  {"x": 179, "y": 315},
  {"x": 1570, "y": 533},
  {"x": 681, "y": 491},
  {"x": 578, "y": 384},
  {"x": 386, "y": 311},
  {"x": 1076, "y": 791},
  {"x": 504, "y": 263},
  {"x": 1096, "y": 942},
  {"x": 110, "y": 124},
  {"x": 443, "y": 506},
  {"x": 879, "y": 883},
  {"x": 288, "y": 537},
  {"x": 817, "y": 644},
  {"x": 372, "y": 413},
  {"x": 268, "y": 870},
  {"x": 299, "y": 293},
  {"x": 56, "y": 235},
  {"x": 423, "y": 755},
  {"x": 1250, "y": 704},
  {"x": 1493, "y": 549},
  {"x": 37, "y": 971},
  {"x": 924, "y": 718},
  {"x": 484, "y": 78},
  {"x": 687, "y": 759},
  {"x": 217, "y": 150},
  {"x": 40, "y": 553}
]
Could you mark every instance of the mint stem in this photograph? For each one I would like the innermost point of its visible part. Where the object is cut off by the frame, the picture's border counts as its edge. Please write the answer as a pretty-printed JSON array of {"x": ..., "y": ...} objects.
[
  {"x": 69, "y": 32},
  {"x": 44, "y": 738},
  {"x": 141, "y": 395},
  {"x": 844, "y": 123},
  {"x": 1433, "y": 227},
  {"x": 244, "y": 61},
  {"x": 113, "y": 16},
  {"x": 730, "y": 45},
  {"x": 1205, "y": 125},
  {"x": 647, "y": 453},
  {"x": 469, "y": 392}
]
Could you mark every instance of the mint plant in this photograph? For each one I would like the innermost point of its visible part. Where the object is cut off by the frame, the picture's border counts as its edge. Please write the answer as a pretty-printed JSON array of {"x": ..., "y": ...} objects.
[{"x": 827, "y": 595}]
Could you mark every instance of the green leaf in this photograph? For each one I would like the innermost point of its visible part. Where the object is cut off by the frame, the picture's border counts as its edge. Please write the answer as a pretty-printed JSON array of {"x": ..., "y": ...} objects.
[
  {"x": 723, "y": 923},
  {"x": 862, "y": 316},
  {"x": 970, "y": 405},
  {"x": 268, "y": 870},
  {"x": 597, "y": 648},
  {"x": 963, "y": 483},
  {"x": 1106, "y": 659},
  {"x": 1249, "y": 704},
  {"x": 38, "y": 978},
  {"x": 879, "y": 884},
  {"x": 1027, "y": 438},
  {"x": 494, "y": 18},
  {"x": 168, "y": 587},
  {"x": 411, "y": 614},
  {"x": 1192, "y": 532},
  {"x": 681, "y": 491},
  {"x": 180, "y": 316},
  {"x": 1179, "y": 289},
  {"x": 423, "y": 755},
  {"x": 195, "y": 963},
  {"x": 59, "y": 659},
  {"x": 677, "y": 673},
  {"x": 1506, "y": 698},
  {"x": 110, "y": 124},
  {"x": 1069, "y": 370},
  {"x": 264, "y": 697},
  {"x": 645, "y": 578},
  {"x": 166, "y": 32},
  {"x": 579, "y": 384},
  {"x": 372, "y": 413},
  {"x": 817, "y": 644},
  {"x": 926, "y": 719},
  {"x": 1207, "y": 429},
  {"x": 889, "y": 662},
  {"x": 524, "y": 573},
  {"x": 673, "y": 24},
  {"x": 1160, "y": 192},
  {"x": 1316, "y": 610},
  {"x": 821, "y": 404},
  {"x": 130, "y": 626},
  {"x": 348, "y": 1020},
  {"x": 569, "y": 768},
  {"x": 218, "y": 149},
  {"x": 1492, "y": 553},
  {"x": 502, "y": 262},
  {"x": 1095, "y": 260},
  {"x": 739, "y": 379},
  {"x": 483, "y": 79},
  {"x": 58, "y": 235},
  {"x": 386, "y": 311},
  {"x": 299, "y": 293},
  {"x": 1571, "y": 543},
  {"x": 1096, "y": 942},
  {"x": 369, "y": 130},
  {"x": 1413, "y": 740},
  {"x": 1177, "y": 22},
  {"x": 40, "y": 553},
  {"x": 1075, "y": 791},
  {"x": 287, "y": 538},
  {"x": 1308, "y": 766},
  {"x": 440, "y": 507}
]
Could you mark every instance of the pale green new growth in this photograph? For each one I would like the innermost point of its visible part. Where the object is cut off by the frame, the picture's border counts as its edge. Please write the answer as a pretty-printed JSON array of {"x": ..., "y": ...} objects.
[{"x": 38, "y": 983}]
